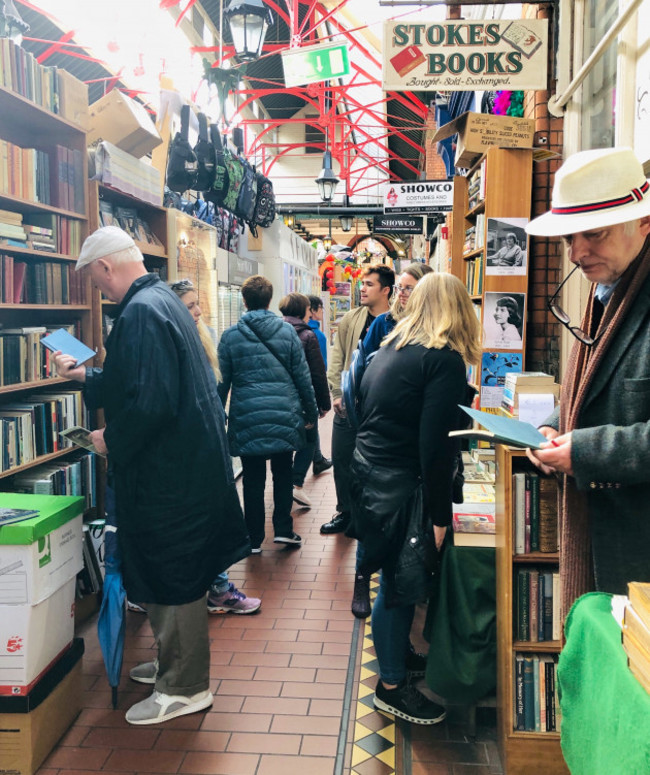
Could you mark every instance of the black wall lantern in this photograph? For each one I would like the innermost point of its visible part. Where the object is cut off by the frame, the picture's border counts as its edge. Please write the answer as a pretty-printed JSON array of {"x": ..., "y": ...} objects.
[{"x": 249, "y": 21}]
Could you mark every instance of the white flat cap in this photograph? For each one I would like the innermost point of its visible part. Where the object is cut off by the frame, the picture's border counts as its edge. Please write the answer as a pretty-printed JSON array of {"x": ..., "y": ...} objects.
[{"x": 103, "y": 242}]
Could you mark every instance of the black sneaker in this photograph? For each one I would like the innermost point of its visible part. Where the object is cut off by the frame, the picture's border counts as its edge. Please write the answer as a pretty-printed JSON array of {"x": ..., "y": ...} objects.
[
  {"x": 361, "y": 597},
  {"x": 322, "y": 465},
  {"x": 416, "y": 664},
  {"x": 293, "y": 539},
  {"x": 406, "y": 702}
]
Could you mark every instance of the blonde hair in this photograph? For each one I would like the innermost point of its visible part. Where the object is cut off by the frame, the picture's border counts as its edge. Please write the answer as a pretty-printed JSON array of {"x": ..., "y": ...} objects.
[
  {"x": 417, "y": 271},
  {"x": 440, "y": 313},
  {"x": 208, "y": 345}
]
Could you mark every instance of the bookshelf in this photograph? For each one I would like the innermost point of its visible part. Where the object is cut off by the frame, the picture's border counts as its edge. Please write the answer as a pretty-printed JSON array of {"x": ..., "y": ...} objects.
[
  {"x": 522, "y": 752},
  {"x": 43, "y": 221},
  {"x": 491, "y": 202}
]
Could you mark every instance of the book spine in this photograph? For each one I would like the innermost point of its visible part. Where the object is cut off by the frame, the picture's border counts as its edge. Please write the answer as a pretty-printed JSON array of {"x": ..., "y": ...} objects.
[
  {"x": 534, "y": 511},
  {"x": 523, "y": 633},
  {"x": 534, "y": 605},
  {"x": 536, "y": 696},
  {"x": 527, "y": 514},
  {"x": 519, "y": 512},
  {"x": 519, "y": 694},
  {"x": 548, "y": 605},
  {"x": 529, "y": 695},
  {"x": 540, "y": 609}
]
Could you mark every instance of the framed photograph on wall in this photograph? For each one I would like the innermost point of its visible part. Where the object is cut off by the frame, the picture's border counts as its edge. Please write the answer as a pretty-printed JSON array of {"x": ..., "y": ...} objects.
[
  {"x": 507, "y": 246},
  {"x": 494, "y": 367},
  {"x": 503, "y": 320}
]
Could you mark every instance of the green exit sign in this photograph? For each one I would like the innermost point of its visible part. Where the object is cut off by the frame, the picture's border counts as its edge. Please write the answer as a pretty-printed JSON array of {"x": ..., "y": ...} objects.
[{"x": 315, "y": 63}]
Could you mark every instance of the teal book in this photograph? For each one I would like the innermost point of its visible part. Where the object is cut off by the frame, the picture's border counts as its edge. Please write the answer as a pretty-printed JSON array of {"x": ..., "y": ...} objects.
[{"x": 501, "y": 430}]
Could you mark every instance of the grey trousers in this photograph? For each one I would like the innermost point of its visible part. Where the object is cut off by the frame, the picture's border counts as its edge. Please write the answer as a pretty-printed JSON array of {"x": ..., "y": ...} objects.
[{"x": 181, "y": 633}]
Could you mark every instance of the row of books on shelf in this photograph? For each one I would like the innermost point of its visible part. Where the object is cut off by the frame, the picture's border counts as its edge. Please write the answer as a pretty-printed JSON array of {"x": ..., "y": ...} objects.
[
  {"x": 40, "y": 282},
  {"x": 44, "y": 232},
  {"x": 30, "y": 427},
  {"x": 130, "y": 220},
  {"x": 476, "y": 186},
  {"x": 72, "y": 476},
  {"x": 474, "y": 278},
  {"x": 20, "y": 72},
  {"x": 475, "y": 235},
  {"x": 23, "y": 359},
  {"x": 538, "y": 605},
  {"x": 536, "y": 702},
  {"x": 535, "y": 512},
  {"x": 55, "y": 178},
  {"x": 90, "y": 578},
  {"x": 636, "y": 632}
]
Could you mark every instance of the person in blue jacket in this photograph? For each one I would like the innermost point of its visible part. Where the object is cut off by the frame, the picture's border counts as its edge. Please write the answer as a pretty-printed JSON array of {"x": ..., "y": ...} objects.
[
  {"x": 320, "y": 463},
  {"x": 272, "y": 402}
]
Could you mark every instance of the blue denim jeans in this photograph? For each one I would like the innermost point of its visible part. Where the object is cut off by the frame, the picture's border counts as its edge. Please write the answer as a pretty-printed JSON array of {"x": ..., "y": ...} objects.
[{"x": 391, "y": 629}]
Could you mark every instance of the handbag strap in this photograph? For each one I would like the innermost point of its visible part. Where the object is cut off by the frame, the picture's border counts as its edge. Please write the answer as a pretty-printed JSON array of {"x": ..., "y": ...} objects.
[
  {"x": 273, "y": 353},
  {"x": 203, "y": 127},
  {"x": 185, "y": 121}
]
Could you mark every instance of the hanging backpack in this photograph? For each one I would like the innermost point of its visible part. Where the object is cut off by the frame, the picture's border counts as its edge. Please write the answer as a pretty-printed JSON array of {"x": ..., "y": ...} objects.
[
  {"x": 235, "y": 176},
  {"x": 245, "y": 207},
  {"x": 182, "y": 166},
  {"x": 264, "y": 214},
  {"x": 206, "y": 157},
  {"x": 219, "y": 187}
]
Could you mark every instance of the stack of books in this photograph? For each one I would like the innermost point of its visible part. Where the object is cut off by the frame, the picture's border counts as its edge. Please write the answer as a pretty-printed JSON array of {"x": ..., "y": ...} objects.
[
  {"x": 526, "y": 382},
  {"x": 473, "y": 520},
  {"x": 12, "y": 231},
  {"x": 636, "y": 632}
]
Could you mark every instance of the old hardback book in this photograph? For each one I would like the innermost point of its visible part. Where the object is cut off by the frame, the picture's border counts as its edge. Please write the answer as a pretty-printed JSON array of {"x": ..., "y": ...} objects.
[
  {"x": 639, "y": 595},
  {"x": 548, "y": 514}
]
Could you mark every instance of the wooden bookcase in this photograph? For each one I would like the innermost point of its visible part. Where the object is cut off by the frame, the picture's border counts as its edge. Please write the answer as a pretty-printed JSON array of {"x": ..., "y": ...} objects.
[
  {"x": 522, "y": 753},
  {"x": 504, "y": 194},
  {"x": 25, "y": 190}
]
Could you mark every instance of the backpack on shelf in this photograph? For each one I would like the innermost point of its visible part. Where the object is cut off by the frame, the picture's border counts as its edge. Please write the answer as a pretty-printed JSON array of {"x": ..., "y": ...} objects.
[
  {"x": 182, "y": 166},
  {"x": 206, "y": 157},
  {"x": 219, "y": 187}
]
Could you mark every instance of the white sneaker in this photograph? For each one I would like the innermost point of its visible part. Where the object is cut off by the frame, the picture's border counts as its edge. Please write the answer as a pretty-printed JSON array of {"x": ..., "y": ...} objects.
[
  {"x": 300, "y": 497},
  {"x": 163, "y": 707}
]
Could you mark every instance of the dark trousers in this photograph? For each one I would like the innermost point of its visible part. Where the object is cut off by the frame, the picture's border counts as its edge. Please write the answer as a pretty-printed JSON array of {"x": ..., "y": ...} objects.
[
  {"x": 343, "y": 442},
  {"x": 254, "y": 476}
]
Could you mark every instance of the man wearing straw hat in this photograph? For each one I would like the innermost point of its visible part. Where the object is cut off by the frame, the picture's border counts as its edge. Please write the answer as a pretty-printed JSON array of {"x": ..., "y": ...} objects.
[
  {"x": 599, "y": 437},
  {"x": 178, "y": 514}
]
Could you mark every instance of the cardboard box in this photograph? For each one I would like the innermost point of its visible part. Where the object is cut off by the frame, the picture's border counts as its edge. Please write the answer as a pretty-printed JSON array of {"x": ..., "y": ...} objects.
[
  {"x": 33, "y": 636},
  {"x": 38, "y": 556},
  {"x": 124, "y": 123},
  {"x": 73, "y": 99},
  {"x": 31, "y": 726},
  {"x": 479, "y": 131}
]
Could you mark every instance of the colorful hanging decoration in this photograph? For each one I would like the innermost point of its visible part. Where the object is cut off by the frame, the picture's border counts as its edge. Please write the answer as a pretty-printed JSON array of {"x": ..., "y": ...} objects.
[
  {"x": 349, "y": 267},
  {"x": 509, "y": 103}
]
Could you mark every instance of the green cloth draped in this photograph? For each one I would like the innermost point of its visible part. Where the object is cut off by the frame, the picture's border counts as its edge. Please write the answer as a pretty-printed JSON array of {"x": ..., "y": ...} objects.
[
  {"x": 461, "y": 626},
  {"x": 605, "y": 710}
]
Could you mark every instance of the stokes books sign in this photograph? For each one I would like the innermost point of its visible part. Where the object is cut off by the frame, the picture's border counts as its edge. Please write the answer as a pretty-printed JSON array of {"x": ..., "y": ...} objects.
[{"x": 465, "y": 55}]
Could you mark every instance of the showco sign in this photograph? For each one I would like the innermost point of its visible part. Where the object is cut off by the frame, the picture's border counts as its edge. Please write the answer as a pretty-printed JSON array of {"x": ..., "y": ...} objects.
[
  {"x": 465, "y": 55},
  {"x": 419, "y": 196},
  {"x": 398, "y": 224}
]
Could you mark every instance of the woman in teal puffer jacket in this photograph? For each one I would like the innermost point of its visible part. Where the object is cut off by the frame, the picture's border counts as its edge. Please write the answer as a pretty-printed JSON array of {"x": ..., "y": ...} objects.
[{"x": 272, "y": 401}]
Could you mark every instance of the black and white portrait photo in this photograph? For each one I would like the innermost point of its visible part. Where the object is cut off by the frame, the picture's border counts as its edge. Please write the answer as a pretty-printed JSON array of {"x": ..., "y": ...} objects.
[
  {"x": 503, "y": 320},
  {"x": 507, "y": 246}
]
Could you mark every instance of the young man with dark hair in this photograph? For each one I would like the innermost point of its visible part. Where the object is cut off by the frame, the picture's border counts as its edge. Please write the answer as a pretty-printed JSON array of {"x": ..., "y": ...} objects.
[
  {"x": 376, "y": 287},
  {"x": 257, "y": 292}
]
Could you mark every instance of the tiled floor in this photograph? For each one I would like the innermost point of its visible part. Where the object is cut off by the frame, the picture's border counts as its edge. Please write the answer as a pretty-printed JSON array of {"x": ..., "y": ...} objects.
[{"x": 286, "y": 682}]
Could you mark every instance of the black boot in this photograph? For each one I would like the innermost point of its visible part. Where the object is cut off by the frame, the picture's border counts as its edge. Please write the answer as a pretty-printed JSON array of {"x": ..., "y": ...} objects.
[
  {"x": 338, "y": 524},
  {"x": 361, "y": 597}
]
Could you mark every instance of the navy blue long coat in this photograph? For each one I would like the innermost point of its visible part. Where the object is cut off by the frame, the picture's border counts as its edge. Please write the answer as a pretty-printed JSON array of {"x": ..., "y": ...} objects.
[{"x": 179, "y": 518}]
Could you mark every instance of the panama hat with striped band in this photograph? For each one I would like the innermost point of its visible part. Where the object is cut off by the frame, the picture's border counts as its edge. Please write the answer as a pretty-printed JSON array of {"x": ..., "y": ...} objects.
[{"x": 592, "y": 189}]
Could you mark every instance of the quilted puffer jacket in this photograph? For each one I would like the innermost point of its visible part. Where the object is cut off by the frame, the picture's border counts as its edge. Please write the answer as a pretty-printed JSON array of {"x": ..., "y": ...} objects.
[{"x": 271, "y": 398}]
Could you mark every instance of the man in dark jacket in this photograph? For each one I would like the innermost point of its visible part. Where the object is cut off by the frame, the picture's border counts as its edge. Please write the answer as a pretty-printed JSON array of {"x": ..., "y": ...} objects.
[
  {"x": 295, "y": 308},
  {"x": 178, "y": 514},
  {"x": 263, "y": 367}
]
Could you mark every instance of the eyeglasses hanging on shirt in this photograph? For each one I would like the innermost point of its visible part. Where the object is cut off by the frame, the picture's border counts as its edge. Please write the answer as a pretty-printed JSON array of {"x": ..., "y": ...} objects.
[{"x": 562, "y": 316}]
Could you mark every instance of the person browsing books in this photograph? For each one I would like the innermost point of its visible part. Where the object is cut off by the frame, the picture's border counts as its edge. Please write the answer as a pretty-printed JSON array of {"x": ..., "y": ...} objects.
[
  {"x": 599, "y": 435},
  {"x": 178, "y": 513},
  {"x": 403, "y": 471},
  {"x": 224, "y": 597}
]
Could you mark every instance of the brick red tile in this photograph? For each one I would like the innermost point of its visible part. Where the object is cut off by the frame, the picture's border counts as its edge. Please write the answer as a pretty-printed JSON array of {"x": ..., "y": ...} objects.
[
  {"x": 192, "y": 740},
  {"x": 251, "y": 688},
  {"x": 280, "y": 765},
  {"x": 271, "y": 635},
  {"x": 281, "y": 647},
  {"x": 325, "y": 708},
  {"x": 238, "y": 672},
  {"x": 69, "y": 758},
  {"x": 282, "y": 706},
  {"x": 306, "y": 725},
  {"x": 132, "y": 737},
  {"x": 242, "y": 742},
  {"x": 319, "y": 661},
  {"x": 126, "y": 759},
  {"x": 237, "y": 722},
  {"x": 319, "y": 745},
  {"x": 313, "y": 691},
  {"x": 285, "y": 674},
  {"x": 220, "y": 764},
  {"x": 259, "y": 660}
]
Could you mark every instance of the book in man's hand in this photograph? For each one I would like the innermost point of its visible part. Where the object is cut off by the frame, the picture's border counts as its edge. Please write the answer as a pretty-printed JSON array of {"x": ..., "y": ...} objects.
[
  {"x": 9, "y": 516},
  {"x": 501, "y": 430},
  {"x": 68, "y": 345},
  {"x": 81, "y": 437}
]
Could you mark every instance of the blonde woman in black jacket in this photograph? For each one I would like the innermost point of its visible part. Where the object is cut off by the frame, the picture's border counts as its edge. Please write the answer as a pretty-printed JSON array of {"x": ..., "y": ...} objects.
[{"x": 403, "y": 469}]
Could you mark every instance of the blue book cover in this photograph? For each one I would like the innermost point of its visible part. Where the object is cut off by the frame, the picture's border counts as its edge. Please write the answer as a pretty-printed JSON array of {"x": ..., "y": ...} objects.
[
  {"x": 68, "y": 345},
  {"x": 503, "y": 430}
]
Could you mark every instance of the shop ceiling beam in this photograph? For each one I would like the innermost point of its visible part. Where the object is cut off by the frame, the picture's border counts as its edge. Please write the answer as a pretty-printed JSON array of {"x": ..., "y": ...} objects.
[
  {"x": 557, "y": 103},
  {"x": 323, "y": 211}
]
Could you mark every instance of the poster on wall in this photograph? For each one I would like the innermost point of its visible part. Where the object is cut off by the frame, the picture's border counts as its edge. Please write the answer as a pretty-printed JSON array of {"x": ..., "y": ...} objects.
[
  {"x": 507, "y": 246},
  {"x": 494, "y": 367},
  {"x": 460, "y": 55},
  {"x": 503, "y": 320}
]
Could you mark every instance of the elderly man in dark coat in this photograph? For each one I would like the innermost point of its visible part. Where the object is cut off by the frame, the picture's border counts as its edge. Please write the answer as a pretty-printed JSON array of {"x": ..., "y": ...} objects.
[
  {"x": 599, "y": 439},
  {"x": 178, "y": 513}
]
